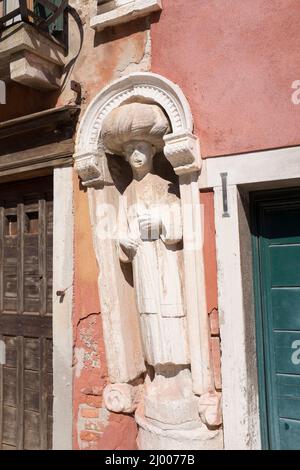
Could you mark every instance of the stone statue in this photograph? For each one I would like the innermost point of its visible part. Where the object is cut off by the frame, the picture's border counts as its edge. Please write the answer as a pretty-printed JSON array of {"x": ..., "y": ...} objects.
[
  {"x": 150, "y": 232},
  {"x": 150, "y": 237}
]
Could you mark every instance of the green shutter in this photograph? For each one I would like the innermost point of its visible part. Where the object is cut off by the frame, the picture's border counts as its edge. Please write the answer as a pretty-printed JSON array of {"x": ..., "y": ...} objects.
[{"x": 43, "y": 12}]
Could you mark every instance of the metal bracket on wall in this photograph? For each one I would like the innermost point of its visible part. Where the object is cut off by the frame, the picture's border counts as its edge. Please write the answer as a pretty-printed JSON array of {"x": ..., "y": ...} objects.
[{"x": 224, "y": 193}]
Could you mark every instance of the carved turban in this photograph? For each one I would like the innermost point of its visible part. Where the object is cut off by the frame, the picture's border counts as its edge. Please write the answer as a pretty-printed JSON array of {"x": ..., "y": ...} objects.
[{"x": 134, "y": 122}]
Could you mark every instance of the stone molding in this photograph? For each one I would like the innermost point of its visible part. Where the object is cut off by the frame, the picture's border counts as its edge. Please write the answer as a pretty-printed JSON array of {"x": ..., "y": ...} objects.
[
  {"x": 121, "y": 11},
  {"x": 182, "y": 147}
]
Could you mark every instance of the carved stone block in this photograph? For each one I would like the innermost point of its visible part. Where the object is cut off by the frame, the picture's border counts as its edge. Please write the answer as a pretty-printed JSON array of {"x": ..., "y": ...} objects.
[
  {"x": 91, "y": 167},
  {"x": 122, "y": 11},
  {"x": 31, "y": 58},
  {"x": 122, "y": 398},
  {"x": 35, "y": 72},
  {"x": 183, "y": 152}
]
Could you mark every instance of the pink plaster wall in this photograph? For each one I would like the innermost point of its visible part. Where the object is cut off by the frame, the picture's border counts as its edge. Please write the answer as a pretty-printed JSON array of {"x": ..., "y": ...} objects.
[
  {"x": 210, "y": 272},
  {"x": 94, "y": 428},
  {"x": 235, "y": 61},
  {"x": 103, "y": 58}
]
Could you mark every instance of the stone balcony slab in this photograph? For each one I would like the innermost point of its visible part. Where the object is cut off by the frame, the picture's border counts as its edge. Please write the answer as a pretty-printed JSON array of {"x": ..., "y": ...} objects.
[{"x": 31, "y": 57}]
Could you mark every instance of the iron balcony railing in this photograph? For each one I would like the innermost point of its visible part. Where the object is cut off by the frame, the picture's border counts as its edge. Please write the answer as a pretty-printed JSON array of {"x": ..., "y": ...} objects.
[{"x": 47, "y": 15}]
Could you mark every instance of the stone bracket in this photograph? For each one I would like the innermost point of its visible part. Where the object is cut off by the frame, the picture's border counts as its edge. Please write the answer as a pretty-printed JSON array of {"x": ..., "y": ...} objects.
[
  {"x": 122, "y": 11},
  {"x": 91, "y": 168},
  {"x": 31, "y": 70},
  {"x": 31, "y": 58},
  {"x": 183, "y": 152}
]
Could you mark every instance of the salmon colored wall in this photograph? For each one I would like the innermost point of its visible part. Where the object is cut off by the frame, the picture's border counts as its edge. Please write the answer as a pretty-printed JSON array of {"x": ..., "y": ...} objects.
[
  {"x": 94, "y": 427},
  {"x": 235, "y": 61},
  {"x": 210, "y": 271},
  {"x": 104, "y": 57}
]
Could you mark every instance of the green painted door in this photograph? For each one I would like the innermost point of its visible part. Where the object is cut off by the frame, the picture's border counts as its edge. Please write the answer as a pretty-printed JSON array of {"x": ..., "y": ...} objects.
[{"x": 276, "y": 237}]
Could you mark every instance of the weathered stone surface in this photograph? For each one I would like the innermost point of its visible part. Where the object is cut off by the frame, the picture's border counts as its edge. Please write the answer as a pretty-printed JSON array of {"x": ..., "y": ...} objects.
[
  {"x": 33, "y": 71},
  {"x": 122, "y": 11},
  {"x": 34, "y": 60},
  {"x": 125, "y": 119}
]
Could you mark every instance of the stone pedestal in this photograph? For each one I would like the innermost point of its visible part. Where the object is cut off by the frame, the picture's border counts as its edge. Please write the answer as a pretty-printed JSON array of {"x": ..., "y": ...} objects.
[{"x": 191, "y": 435}]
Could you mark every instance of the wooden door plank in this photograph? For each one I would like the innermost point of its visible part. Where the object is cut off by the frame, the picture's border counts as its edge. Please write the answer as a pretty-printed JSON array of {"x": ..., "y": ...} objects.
[
  {"x": 42, "y": 256},
  {"x": 26, "y": 325},
  {"x": 1, "y": 256},
  {"x": 20, "y": 257},
  {"x": 276, "y": 239},
  {"x": 43, "y": 394},
  {"x": 20, "y": 393},
  {"x": 28, "y": 388},
  {"x": 1, "y": 401}
]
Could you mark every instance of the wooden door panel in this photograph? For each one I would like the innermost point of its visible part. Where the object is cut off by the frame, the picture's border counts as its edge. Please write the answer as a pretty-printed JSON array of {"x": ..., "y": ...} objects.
[
  {"x": 286, "y": 308},
  {"x": 277, "y": 232},
  {"x": 285, "y": 262},
  {"x": 289, "y": 434},
  {"x": 26, "y": 224}
]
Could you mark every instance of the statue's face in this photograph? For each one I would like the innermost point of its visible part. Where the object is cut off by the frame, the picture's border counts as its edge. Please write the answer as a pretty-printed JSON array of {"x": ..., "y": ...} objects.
[{"x": 139, "y": 155}]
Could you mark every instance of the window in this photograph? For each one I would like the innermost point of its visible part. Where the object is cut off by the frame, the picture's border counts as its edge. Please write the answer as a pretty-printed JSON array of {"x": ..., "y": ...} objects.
[{"x": 43, "y": 13}]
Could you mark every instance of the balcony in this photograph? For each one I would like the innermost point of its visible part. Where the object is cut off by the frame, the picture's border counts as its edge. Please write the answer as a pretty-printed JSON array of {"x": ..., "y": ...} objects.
[{"x": 33, "y": 39}]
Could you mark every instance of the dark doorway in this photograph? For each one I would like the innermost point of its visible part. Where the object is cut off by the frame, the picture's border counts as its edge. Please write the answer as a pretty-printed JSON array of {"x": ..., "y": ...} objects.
[{"x": 26, "y": 233}]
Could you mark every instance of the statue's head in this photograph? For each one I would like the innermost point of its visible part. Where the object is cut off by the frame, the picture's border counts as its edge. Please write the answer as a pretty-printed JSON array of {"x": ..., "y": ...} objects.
[
  {"x": 139, "y": 155},
  {"x": 135, "y": 131}
]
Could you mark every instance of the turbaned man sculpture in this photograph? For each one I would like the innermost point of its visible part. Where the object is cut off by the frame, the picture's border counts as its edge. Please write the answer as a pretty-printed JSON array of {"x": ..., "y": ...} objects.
[{"x": 150, "y": 237}]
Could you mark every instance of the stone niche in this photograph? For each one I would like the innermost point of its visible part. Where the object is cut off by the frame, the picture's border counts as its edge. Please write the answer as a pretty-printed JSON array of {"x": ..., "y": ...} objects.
[
  {"x": 137, "y": 155},
  {"x": 105, "y": 13},
  {"x": 30, "y": 57}
]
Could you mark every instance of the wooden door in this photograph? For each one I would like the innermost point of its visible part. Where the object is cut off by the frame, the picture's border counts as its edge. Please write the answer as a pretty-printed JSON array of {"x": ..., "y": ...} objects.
[
  {"x": 277, "y": 270},
  {"x": 26, "y": 220}
]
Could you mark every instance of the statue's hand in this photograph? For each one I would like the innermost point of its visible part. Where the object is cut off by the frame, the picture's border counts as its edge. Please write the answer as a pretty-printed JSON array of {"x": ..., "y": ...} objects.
[
  {"x": 150, "y": 226},
  {"x": 129, "y": 246}
]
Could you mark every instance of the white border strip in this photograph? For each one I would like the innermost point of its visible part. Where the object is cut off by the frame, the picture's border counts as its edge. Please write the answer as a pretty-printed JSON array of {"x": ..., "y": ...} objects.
[
  {"x": 62, "y": 308},
  {"x": 237, "y": 326},
  {"x": 270, "y": 165}
]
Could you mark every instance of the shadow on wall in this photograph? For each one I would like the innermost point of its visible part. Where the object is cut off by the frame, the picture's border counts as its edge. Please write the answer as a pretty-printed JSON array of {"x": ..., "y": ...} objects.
[
  {"x": 69, "y": 66},
  {"x": 121, "y": 31}
]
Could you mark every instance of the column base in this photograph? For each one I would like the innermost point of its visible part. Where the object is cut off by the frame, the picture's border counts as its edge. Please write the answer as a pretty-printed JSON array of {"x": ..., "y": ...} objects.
[{"x": 193, "y": 435}]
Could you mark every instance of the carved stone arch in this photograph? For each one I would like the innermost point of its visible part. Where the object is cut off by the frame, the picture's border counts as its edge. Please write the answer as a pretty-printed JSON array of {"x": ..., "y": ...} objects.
[
  {"x": 181, "y": 145},
  {"x": 125, "y": 357},
  {"x": 143, "y": 84}
]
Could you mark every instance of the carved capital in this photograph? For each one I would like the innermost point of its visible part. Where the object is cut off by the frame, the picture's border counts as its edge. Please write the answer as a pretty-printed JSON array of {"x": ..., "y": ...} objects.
[
  {"x": 90, "y": 167},
  {"x": 183, "y": 152},
  {"x": 122, "y": 398},
  {"x": 210, "y": 409}
]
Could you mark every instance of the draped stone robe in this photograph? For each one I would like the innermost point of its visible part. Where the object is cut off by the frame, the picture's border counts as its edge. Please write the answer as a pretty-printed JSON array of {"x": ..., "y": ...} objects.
[{"x": 157, "y": 268}]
